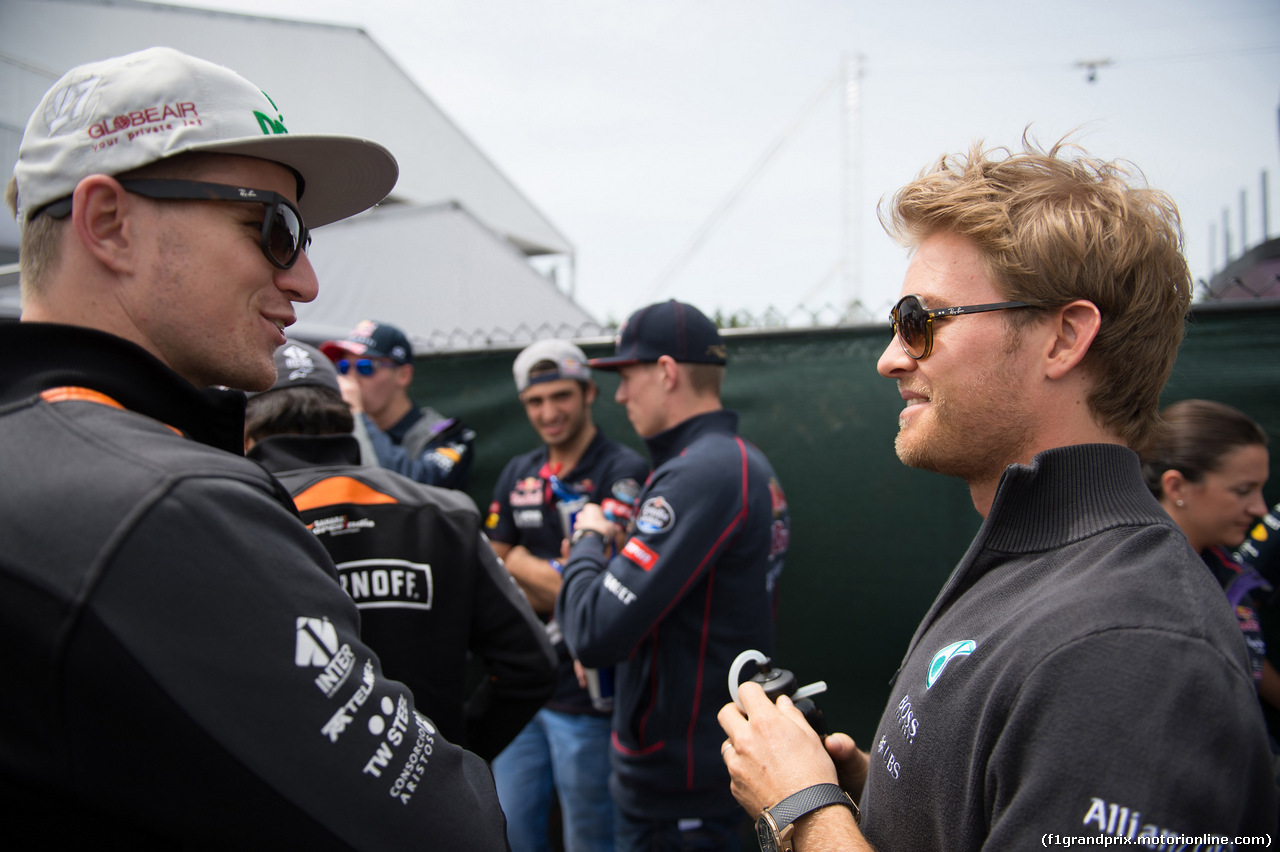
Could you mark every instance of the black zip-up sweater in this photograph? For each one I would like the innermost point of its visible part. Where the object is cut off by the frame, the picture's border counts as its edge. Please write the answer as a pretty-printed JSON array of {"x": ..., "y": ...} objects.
[
  {"x": 429, "y": 588},
  {"x": 183, "y": 669}
]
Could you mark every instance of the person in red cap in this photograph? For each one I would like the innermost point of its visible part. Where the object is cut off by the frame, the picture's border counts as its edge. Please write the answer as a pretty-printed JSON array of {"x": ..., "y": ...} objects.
[
  {"x": 691, "y": 583},
  {"x": 185, "y": 670},
  {"x": 375, "y": 369}
]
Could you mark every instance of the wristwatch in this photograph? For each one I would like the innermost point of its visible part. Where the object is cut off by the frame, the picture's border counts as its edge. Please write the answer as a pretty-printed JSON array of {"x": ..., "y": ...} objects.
[
  {"x": 776, "y": 824},
  {"x": 580, "y": 534}
]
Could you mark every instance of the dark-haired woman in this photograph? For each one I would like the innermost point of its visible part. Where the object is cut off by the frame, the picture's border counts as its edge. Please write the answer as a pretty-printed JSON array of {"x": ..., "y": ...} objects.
[{"x": 1207, "y": 469}]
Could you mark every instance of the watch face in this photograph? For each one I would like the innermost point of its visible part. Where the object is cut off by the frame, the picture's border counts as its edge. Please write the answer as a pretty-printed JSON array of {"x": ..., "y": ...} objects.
[{"x": 764, "y": 833}]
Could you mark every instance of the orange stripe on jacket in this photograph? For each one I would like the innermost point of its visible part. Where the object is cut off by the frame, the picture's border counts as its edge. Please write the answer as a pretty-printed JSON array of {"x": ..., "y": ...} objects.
[
  {"x": 75, "y": 394},
  {"x": 69, "y": 394},
  {"x": 340, "y": 489}
]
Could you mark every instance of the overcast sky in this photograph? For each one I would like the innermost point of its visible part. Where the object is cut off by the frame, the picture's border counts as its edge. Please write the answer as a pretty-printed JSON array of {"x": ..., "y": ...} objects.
[{"x": 639, "y": 127}]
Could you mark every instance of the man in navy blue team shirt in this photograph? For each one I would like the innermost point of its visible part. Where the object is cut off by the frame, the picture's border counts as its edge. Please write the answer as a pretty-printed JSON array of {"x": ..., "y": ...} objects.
[
  {"x": 691, "y": 586},
  {"x": 565, "y": 749}
]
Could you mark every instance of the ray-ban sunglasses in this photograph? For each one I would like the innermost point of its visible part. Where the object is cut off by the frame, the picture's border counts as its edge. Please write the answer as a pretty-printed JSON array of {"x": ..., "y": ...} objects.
[
  {"x": 284, "y": 235},
  {"x": 913, "y": 322}
]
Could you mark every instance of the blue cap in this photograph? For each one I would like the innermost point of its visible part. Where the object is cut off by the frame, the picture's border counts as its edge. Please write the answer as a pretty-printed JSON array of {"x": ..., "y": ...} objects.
[{"x": 371, "y": 339}]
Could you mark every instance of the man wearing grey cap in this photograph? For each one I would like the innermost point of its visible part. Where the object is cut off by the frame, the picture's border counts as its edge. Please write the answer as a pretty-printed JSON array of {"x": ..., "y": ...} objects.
[
  {"x": 685, "y": 588},
  {"x": 432, "y": 595},
  {"x": 565, "y": 749},
  {"x": 190, "y": 673}
]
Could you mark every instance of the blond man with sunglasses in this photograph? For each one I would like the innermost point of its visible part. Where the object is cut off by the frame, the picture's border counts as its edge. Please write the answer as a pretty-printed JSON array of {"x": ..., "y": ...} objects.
[
  {"x": 184, "y": 669},
  {"x": 1078, "y": 676}
]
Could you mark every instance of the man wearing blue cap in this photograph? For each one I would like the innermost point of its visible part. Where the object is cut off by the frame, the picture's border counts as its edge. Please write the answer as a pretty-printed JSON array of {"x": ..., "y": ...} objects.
[
  {"x": 693, "y": 583},
  {"x": 375, "y": 366}
]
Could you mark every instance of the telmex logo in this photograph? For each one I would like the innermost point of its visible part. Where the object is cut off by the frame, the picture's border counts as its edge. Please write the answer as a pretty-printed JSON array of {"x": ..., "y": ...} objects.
[{"x": 962, "y": 648}]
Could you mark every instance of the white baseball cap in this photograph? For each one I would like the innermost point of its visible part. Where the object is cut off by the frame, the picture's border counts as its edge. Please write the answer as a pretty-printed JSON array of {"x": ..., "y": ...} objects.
[
  {"x": 570, "y": 363},
  {"x": 112, "y": 116}
]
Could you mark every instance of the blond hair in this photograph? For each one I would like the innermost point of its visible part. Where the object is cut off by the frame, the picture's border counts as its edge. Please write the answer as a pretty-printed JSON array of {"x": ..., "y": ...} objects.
[{"x": 1056, "y": 226}]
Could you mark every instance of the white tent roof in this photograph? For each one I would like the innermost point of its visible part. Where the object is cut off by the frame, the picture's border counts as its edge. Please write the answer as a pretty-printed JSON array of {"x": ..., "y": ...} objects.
[
  {"x": 325, "y": 78},
  {"x": 454, "y": 268}
]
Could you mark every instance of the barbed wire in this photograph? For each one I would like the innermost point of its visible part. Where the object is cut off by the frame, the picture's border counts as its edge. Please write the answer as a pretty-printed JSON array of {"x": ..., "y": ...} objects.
[
  {"x": 825, "y": 315},
  {"x": 1236, "y": 288}
]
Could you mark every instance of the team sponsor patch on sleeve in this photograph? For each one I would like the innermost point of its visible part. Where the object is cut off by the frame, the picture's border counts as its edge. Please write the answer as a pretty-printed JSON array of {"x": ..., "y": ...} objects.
[
  {"x": 655, "y": 516},
  {"x": 617, "y": 511},
  {"x": 640, "y": 553},
  {"x": 626, "y": 490},
  {"x": 492, "y": 520}
]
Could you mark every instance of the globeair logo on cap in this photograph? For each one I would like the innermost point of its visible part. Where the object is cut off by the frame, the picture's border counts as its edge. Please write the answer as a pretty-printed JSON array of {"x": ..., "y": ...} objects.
[{"x": 963, "y": 648}]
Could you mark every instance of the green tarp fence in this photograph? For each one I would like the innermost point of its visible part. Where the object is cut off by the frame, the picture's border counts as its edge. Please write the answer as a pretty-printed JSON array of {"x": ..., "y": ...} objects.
[{"x": 872, "y": 541}]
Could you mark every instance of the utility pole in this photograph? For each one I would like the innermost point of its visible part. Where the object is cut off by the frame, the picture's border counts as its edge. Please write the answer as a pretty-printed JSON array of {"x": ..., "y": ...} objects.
[{"x": 851, "y": 183}]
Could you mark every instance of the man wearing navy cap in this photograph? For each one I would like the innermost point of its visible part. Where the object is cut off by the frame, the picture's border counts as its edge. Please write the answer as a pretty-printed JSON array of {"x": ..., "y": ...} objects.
[
  {"x": 693, "y": 582},
  {"x": 375, "y": 366}
]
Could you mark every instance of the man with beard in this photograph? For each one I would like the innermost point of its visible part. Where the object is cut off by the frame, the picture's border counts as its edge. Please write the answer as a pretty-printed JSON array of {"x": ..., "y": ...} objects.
[
  {"x": 1078, "y": 675},
  {"x": 565, "y": 749}
]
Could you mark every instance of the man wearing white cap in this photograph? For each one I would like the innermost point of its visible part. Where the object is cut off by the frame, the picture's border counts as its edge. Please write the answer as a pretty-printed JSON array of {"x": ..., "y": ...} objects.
[
  {"x": 564, "y": 751},
  {"x": 187, "y": 672}
]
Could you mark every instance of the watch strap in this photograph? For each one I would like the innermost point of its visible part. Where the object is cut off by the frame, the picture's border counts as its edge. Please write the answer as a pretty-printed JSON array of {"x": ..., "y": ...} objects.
[
  {"x": 579, "y": 535},
  {"x": 808, "y": 800}
]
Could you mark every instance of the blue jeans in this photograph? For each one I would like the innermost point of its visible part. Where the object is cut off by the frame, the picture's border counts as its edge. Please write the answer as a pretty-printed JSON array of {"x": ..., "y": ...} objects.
[
  {"x": 686, "y": 835},
  {"x": 564, "y": 753}
]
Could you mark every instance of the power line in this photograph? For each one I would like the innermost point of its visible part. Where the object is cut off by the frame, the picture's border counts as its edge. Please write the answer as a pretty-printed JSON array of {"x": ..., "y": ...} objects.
[{"x": 735, "y": 195}]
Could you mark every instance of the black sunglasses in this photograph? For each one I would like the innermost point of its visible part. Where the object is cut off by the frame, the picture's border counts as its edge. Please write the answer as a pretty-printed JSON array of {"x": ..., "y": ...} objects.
[
  {"x": 364, "y": 366},
  {"x": 913, "y": 322},
  {"x": 284, "y": 235}
]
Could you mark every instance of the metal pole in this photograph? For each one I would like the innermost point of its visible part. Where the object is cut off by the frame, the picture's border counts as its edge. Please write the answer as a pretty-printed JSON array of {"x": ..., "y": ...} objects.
[
  {"x": 1266, "y": 227},
  {"x": 851, "y": 184},
  {"x": 1226, "y": 239},
  {"x": 1244, "y": 223}
]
